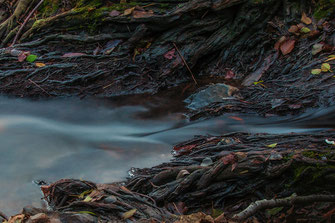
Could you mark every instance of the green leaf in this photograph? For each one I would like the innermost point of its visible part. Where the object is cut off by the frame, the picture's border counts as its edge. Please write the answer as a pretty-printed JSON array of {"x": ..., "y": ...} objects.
[
  {"x": 86, "y": 212},
  {"x": 305, "y": 30},
  {"x": 272, "y": 145},
  {"x": 316, "y": 71},
  {"x": 82, "y": 195},
  {"x": 31, "y": 58},
  {"x": 87, "y": 199},
  {"x": 129, "y": 214},
  {"x": 325, "y": 67}
]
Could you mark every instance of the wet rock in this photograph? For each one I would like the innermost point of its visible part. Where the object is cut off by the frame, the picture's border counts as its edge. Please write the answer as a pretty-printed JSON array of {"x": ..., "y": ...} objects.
[
  {"x": 213, "y": 93},
  {"x": 206, "y": 162}
]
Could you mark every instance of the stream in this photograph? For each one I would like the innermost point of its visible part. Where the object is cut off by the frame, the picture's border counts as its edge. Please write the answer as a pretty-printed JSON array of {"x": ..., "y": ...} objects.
[{"x": 100, "y": 139}]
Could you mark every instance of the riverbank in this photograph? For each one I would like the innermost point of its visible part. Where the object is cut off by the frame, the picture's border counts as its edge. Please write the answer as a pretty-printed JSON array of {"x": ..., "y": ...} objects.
[{"x": 215, "y": 177}]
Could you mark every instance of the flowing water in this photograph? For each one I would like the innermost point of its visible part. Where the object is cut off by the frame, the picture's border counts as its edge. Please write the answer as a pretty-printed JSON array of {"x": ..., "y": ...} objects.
[{"x": 98, "y": 140}]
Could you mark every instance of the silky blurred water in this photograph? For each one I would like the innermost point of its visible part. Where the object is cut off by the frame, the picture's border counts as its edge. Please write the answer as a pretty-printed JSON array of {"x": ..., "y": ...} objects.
[{"x": 97, "y": 140}]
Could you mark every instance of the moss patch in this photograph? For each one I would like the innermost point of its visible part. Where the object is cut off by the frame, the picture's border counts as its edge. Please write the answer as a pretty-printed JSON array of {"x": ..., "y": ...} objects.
[{"x": 324, "y": 9}]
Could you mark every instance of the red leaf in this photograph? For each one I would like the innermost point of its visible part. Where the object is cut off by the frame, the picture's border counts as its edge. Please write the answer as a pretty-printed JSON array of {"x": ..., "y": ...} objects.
[
  {"x": 230, "y": 74},
  {"x": 183, "y": 149},
  {"x": 287, "y": 46},
  {"x": 73, "y": 54},
  {"x": 170, "y": 54},
  {"x": 22, "y": 57},
  {"x": 236, "y": 118},
  {"x": 229, "y": 159}
]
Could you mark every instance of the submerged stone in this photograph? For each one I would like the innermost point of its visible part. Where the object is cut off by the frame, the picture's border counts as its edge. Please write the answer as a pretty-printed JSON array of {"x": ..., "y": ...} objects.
[{"x": 211, "y": 94}]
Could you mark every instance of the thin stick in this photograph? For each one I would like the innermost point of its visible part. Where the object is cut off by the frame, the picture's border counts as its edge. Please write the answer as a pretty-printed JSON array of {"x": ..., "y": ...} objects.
[
  {"x": 189, "y": 69},
  {"x": 25, "y": 21},
  {"x": 39, "y": 87}
]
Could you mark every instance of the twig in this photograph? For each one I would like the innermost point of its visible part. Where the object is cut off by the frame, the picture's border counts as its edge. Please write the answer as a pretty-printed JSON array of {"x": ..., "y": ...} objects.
[
  {"x": 195, "y": 81},
  {"x": 25, "y": 21},
  {"x": 39, "y": 87},
  {"x": 3, "y": 216},
  {"x": 288, "y": 201}
]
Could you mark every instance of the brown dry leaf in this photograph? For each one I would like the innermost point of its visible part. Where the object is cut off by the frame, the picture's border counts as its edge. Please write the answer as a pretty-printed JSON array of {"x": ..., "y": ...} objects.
[
  {"x": 293, "y": 29},
  {"x": 287, "y": 46},
  {"x": 332, "y": 58},
  {"x": 279, "y": 42},
  {"x": 129, "y": 214},
  {"x": 142, "y": 14},
  {"x": 128, "y": 11},
  {"x": 40, "y": 64},
  {"x": 305, "y": 19}
]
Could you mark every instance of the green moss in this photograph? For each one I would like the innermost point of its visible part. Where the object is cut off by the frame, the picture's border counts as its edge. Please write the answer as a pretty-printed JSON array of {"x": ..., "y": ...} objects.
[
  {"x": 324, "y": 8},
  {"x": 49, "y": 8}
]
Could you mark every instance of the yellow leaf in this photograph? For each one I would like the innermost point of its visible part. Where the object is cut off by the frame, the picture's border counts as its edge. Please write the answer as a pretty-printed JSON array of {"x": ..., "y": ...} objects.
[
  {"x": 305, "y": 30},
  {"x": 129, "y": 214},
  {"x": 316, "y": 71},
  {"x": 331, "y": 56},
  {"x": 244, "y": 171},
  {"x": 329, "y": 59},
  {"x": 39, "y": 64},
  {"x": 325, "y": 67},
  {"x": 272, "y": 145},
  {"x": 305, "y": 19},
  {"x": 87, "y": 199},
  {"x": 82, "y": 195},
  {"x": 128, "y": 11}
]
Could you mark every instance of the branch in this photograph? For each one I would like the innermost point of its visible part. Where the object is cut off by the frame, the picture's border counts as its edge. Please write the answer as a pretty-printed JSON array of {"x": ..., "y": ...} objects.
[
  {"x": 289, "y": 201},
  {"x": 26, "y": 20}
]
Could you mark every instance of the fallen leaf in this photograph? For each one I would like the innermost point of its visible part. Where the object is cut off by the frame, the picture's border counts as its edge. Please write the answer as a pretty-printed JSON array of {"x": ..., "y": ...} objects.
[
  {"x": 87, "y": 199},
  {"x": 316, "y": 71},
  {"x": 244, "y": 171},
  {"x": 129, "y": 214},
  {"x": 287, "y": 46},
  {"x": 126, "y": 189},
  {"x": 293, "y": 29},
  {"x": 325, "y": 67},
  {"x": 40, "y": 64},
  {"x": 129, "y": 11},
  {"x": 229, "y": 159},
  {"x": 272, "y": 145},
  {"x": 305, "y": 30},
  {"x": 142, "y": 14},
  {"x": 86, "y": 212},
  {"x": 31, "y": 58},
  {"x": 73, "y": 54},
  {"x": 22, "y": 57},
  {"x": 294, "y": 106},
  {"x": 114, "y": 13},
  {"x": 317, "y": 48},
  {"x": 305, "y": 19},
  {"x": 170, "y": 54},
  {"x": 329, "y": 59},
  {"x": 279, "y": 42},
  {"x": 236, "y": 118},
  {"x": 233, "y": 166},
  {"x": 229, "y": 74}
]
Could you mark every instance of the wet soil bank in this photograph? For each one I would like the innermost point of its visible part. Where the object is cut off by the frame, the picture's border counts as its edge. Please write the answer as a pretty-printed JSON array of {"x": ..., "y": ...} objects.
[{"x": 278, "y": 54}]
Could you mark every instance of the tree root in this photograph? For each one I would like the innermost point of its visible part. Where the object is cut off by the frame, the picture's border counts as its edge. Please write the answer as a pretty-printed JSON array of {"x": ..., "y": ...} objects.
[{"x": 289, "y": 201}]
